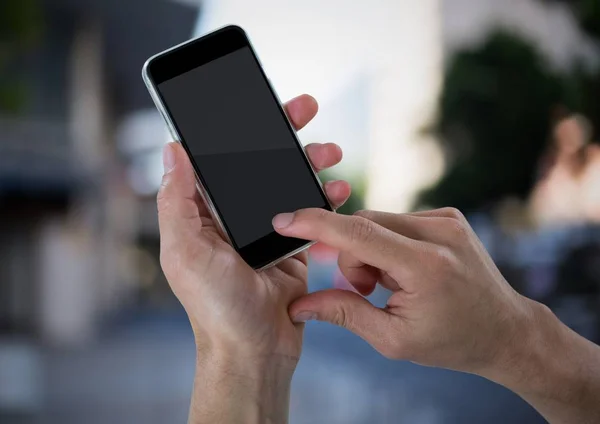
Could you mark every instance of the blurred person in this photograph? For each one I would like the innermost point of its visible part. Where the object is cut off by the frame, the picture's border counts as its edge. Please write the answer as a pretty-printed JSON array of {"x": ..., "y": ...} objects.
[
  {"x": 567, "y": 192},
  {"x": 450, "y": 306}
]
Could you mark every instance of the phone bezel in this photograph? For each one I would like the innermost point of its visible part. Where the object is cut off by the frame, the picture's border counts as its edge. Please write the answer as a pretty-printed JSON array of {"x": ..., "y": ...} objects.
[{"x": 272, "y": 248}]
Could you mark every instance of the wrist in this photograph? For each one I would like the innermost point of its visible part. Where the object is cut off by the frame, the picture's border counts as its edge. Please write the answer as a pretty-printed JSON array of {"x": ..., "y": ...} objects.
[
  {"x": 247, "y": 366},
  {"x": 521, "y": 357},
  {"x": 219, "y": 350},
  {"x": 553, "y": 368},
  {"x": 233, "y": 387},
  {"x": 540, "y": 354}
]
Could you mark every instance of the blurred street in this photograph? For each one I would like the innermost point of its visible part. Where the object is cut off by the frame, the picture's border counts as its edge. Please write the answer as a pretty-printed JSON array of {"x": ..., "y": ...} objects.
[{"x": 143, "y": 374}]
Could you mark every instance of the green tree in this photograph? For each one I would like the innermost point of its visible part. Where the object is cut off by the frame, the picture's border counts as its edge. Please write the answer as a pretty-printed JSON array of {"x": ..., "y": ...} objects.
[
  {"x": 494, "y": 116},
  {"x": 496, "y": 112},
  {"x": 20, "y": 27}
]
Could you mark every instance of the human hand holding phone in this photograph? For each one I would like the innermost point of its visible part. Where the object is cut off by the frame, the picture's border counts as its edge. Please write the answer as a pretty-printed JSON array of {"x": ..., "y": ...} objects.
[
  {"x": 217, "y": 101},
  {"x": 245, "y": 339}
]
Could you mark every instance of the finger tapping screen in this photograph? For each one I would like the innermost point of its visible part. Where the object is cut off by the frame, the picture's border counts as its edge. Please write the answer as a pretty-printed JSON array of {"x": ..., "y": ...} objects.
[{"x": 244, "y": 150}]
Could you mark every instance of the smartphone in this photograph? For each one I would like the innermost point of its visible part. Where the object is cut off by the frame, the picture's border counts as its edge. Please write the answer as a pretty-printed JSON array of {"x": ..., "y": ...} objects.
[{"x": 218, "y": 103}]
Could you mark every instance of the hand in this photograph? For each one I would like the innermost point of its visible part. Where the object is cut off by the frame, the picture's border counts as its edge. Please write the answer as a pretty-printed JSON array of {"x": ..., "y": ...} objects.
[
  {"x": 450, "y": 306},
  {"x": 235, "y": 312}
]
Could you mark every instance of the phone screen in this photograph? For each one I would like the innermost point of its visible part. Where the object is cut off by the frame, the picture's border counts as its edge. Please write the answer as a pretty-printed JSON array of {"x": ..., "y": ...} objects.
[{"x": 243, "y": 147}]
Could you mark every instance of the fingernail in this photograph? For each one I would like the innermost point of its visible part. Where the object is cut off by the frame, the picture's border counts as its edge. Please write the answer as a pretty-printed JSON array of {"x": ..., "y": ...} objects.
[
  {"x": 283, "y": 220},
  {"x": 168, "y": 158},
  {"x": 305, "y": 316},
  {"x": 340, "y": 151},
  {"x": 330, "y": 183}
]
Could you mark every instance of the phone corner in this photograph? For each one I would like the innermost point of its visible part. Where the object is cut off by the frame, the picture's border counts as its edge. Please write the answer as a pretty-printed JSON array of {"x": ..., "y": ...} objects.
[
  {"x": 236, "y": 28},
  {"x": 146, "y": 69},
  {"x": 271, "y": 264}
]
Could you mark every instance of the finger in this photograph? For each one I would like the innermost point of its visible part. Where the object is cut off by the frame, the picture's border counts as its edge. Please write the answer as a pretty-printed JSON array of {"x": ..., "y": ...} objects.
[
  {"x": 302, "y": 257},
  {"x": 451, "y": 227},
  {"x": 353, "y": 312},
  {"x": 337, "y": 192},
  {"x": 296, "y": 265},
  {"x": 423, "y": 226},
  {"x": 441, "y": 226},
  {"x": 323, "y": 156},
  {"x": 178, "y": 215},
  {"x": 364, "y": 239},
  {"x": 202, "y": 207},
  {"x": 363, "y": 277},
  {"x": 449, "y": 212},
  {"x": 408, "y": 225},
  {"x": 301, "y": 110}
]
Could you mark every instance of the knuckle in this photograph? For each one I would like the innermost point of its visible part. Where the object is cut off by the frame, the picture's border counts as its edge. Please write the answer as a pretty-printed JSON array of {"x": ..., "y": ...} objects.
[
  {"x": 364, "y": 213},
  {"x": 442, "y": 260},
  {"x": 161, "y": 197},
  {"x": 164, "y": 188},
  {"x": 340, "y": 318},
  {"x": 183, "y": 208},
  {"x": 453, "y": 213},
  {"x": 315, "y": 214},
  {"x": 361, "y": 229},
  {"x": 320, "y": 213},
  {"x": 163, "y": 202},
  {"x": 459, "y": 231}
]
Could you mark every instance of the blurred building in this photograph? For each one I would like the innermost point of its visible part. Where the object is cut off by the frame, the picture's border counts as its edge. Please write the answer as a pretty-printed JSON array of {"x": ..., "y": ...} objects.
[
  {"x": 68, "y": 217},
  {"x": 69, "y": 212}
]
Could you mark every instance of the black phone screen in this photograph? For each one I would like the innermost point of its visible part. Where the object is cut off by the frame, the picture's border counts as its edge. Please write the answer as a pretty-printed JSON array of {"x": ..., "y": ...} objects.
[{"x": 242, "y": 147}]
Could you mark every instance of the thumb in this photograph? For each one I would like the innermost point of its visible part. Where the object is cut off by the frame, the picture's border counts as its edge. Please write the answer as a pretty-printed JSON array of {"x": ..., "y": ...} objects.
[
  {"x": 350, "y": 310},
  {"x": 178, "y": 215}
]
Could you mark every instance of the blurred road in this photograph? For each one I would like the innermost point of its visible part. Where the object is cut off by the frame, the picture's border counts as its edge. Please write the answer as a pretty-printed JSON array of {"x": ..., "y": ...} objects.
[{"x": 143, "y": 374}]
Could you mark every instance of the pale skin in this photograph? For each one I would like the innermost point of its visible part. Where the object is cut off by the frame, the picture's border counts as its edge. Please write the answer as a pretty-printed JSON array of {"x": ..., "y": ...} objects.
[{"x": 450, "y": 307}]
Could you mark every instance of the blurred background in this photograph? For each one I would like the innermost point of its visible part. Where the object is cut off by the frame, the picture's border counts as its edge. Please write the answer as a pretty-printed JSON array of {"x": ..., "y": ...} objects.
[{"x": 491, "y": 106}]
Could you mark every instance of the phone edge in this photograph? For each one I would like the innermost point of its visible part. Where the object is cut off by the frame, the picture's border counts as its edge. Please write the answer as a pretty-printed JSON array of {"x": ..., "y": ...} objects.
[{"x": 152, "y": 89}]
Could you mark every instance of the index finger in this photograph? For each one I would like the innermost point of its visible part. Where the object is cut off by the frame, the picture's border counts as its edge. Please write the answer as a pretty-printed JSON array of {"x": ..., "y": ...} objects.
[{"x": 364, "y": 239}]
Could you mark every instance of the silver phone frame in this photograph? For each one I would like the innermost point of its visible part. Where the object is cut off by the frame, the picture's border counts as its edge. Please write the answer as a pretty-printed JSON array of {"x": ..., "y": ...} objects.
[{"x": 152, "y": 89}]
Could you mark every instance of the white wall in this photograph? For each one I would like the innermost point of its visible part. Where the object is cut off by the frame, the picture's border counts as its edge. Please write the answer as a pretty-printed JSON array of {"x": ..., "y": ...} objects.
[{"x": 375, "y": 67}]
